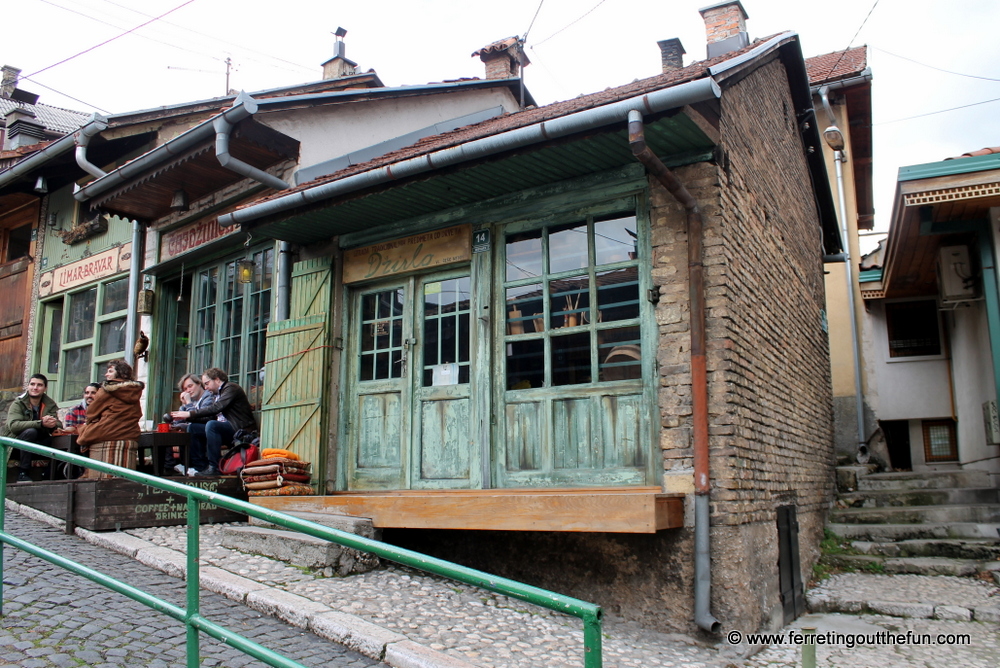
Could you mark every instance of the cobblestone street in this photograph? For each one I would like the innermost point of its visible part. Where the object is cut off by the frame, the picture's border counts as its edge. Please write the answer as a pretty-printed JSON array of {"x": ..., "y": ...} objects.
[{"x": 55, "y": 618}]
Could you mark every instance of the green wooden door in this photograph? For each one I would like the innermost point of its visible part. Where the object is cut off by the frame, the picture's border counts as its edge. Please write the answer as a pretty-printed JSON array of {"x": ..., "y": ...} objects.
[
  {"x": 408, "y": 398},
  {"x": 295, "y": 380}
]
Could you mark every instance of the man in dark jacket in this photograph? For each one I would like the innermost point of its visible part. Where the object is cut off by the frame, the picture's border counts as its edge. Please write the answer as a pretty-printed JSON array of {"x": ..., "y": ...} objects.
[
  {"x": 209, "y": 437},
  {"x": 32, "y": 417}
]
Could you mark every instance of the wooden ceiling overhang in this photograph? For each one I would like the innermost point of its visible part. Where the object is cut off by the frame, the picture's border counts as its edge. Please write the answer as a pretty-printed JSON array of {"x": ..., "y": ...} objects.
[
  {"x": 197, "y": 172},
  {"x": 930, "y": 213}
]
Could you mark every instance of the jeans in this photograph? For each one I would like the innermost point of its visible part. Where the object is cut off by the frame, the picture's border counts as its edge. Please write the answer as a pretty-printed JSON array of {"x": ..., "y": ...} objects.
[
  {"x": 206, "y": 442},
  {"x": 31, "y": 435}
]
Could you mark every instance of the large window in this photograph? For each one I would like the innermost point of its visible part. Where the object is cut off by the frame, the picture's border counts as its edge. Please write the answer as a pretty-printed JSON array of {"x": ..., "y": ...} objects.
[
  {"x": 230, "y": 319},
  {"x": 82, "y": 332},
  {"x": 913, "y": 328},
  {"x": 572, "y": 304}
]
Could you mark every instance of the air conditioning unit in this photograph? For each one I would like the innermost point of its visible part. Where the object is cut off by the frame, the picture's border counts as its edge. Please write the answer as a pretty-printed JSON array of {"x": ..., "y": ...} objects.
[{"x": 957, "y": 280}]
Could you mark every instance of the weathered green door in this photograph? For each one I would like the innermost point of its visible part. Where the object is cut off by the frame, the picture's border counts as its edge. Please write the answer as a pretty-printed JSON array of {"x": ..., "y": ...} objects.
[{"x": 408, "y": 398}]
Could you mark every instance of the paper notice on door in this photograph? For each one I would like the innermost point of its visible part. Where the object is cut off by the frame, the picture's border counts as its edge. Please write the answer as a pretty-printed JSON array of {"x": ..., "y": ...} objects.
[{"x": 444, "y": 374}]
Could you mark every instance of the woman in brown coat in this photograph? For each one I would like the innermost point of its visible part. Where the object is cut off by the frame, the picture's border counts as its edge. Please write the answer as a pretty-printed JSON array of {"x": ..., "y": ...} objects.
[{"x": 112, "y": 426}]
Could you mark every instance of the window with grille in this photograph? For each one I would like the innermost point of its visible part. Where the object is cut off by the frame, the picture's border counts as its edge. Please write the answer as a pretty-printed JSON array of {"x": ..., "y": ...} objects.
[{"x": 913, "y": 328}]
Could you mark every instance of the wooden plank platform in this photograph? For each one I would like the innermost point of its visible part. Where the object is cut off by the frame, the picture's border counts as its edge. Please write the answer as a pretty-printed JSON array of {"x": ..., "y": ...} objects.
[
  {"x": 101, "y": 505},
  {"x": 608, "y": 509}
]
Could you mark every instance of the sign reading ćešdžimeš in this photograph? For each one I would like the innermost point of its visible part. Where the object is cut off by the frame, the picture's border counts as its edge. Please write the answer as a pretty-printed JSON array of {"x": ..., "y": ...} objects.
[{"x": 421, "y": 251}]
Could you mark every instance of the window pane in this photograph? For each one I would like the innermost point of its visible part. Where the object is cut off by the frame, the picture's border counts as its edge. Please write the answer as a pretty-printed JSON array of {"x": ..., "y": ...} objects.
[
  {"x": 571, "y": 359},
  {"x": 81, "y": 316},
  {"x": 618, "y": 294},
  {"x": 112, "y": 337},
  {"x": 525, "y": 364},
  {"x": 569, "y": 303},
  {"x": 524, "y": 309},
  {"x": 55, "y": 339},
  {"x": 115, "y": 296},
  {"x": 619, "y": 354},
  {"x": 382, "y": 335},
  {"x": 939, "y": 440},
  {"x": 568, "y": 247},
  {"x": 913, "y": 329},
  {"x": 615, "y": 240},
  {"x": 524, "y": 255},
  {"x": 77, "y": 373},
  {"x": 446, "y": 331},
  {"x": 18, "y": 243}
]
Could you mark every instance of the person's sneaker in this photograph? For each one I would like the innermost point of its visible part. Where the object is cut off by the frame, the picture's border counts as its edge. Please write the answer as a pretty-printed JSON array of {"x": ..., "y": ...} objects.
[
  {"x": 192, "y": 472},
  {"x": 207, "y": 472},
  {"x": 23, "y": 477},
  {"x": 180, "y": 469}
]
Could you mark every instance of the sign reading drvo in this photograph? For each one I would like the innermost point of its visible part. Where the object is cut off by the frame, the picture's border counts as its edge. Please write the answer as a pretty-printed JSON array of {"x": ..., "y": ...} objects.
[{"x": 421, "y": 251}]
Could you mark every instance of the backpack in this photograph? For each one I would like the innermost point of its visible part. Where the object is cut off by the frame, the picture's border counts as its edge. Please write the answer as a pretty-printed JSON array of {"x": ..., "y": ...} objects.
[{"x": 240, "y": 452}]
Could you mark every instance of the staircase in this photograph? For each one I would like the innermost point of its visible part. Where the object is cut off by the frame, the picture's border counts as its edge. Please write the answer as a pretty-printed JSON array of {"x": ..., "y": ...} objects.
[{"x": 927, "y": 523}]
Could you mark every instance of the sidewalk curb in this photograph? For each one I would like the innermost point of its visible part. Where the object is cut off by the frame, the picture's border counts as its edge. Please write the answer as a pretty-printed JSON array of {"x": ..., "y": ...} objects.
[{"x": 343, "y": 628}]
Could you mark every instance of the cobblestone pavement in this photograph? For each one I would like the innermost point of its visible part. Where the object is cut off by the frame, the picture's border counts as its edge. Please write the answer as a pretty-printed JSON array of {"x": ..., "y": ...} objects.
[{"x": 52, "y": 617}]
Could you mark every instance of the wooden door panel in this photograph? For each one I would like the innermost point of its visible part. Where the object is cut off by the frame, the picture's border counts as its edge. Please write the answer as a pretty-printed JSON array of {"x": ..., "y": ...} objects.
[
  {"x": 444, "y": 440},
  {"x": 573, "y": 442},
  {"x": 524, "y": 434},
  {"x": 379, "y": 431},
  {"x": 623, "y": 426}
]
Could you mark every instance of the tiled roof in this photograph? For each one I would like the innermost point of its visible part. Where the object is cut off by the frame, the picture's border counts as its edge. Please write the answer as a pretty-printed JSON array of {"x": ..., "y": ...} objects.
[
  {"x": 982, "y": 151},
  {"x": 53, "y": 118},
  {"x": 524, "y": 118},
  {"x": 837, "y": 65},
  {"x": 496, "y": 47}
]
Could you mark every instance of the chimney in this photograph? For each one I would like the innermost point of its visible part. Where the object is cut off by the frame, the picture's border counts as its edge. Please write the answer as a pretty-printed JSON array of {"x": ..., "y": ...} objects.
[
  {"x": 671, "y": 54},
  {"x": 726, "y": 27},
  {"x": 22, "y": 129},
  {"x": 9, "y": 83},
  {"x": 339, "y": 66},
  {"x": 503, "y": 59}
]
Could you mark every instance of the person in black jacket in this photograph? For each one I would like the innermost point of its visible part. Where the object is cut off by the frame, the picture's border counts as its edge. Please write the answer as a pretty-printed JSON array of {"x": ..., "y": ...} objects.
[{"x": 230, "y": 412}]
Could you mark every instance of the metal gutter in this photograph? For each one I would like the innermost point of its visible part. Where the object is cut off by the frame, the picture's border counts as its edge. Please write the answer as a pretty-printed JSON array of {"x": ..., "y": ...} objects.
[
  {"x": 60, "y": 146},
  {"x": 864, "y": 77},
  {"x": 870, "y": 276},
  {"x": 243, "y": 107},
  {"x": 691, "y": 92},
  {"x": 976, "y": 163},
  {"x": 82, "y": 138}
]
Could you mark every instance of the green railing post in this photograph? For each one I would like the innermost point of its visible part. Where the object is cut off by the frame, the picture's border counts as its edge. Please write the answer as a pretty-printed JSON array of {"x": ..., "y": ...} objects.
[
  {"x": 193, "y": 582},
  {"x": 5, "y": 452},
  {"x": 592, "y": 654},
  {"x": 809, "y": 647}
]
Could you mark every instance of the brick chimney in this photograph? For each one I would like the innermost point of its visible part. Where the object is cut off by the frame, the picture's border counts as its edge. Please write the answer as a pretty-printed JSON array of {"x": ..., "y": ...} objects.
[
  {"x": 9, "y": 83},
  {"x": 503, "y": 59},
  {"x": 725, "y": 26},
  {"x": 339, "y": 66},
  {"x": 671, "y": 54}
]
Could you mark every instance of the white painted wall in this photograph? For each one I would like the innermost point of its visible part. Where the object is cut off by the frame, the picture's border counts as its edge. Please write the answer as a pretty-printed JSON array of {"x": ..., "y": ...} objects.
[
  {"x": 972, "y": 368},
  {"x": 334, "y": 130}
]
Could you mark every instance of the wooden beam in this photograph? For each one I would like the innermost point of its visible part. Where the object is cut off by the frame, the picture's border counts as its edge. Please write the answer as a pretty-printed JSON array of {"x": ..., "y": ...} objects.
[{"x": 611, "y": 510}]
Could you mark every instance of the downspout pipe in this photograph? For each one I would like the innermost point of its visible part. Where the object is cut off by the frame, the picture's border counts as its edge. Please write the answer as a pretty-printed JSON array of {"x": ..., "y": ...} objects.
[
  {"x": 82, "y": 139},
  {"x": 134, "y": 279},
  {"x": 283, "y": 298},
  {"x": 699, "y": 378},
  {"x": 223, "y": 128},
  {"x": 39, "y": 159},
  {"x": 839, "y": 158}
]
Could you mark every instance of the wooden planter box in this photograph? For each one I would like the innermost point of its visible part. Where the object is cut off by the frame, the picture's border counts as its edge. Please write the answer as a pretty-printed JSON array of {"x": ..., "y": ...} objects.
[{"x": 103, "y": 505}]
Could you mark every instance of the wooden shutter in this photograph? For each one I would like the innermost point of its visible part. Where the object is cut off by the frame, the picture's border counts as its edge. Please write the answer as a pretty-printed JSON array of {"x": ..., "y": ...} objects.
[{"x": 296, "y": 381}]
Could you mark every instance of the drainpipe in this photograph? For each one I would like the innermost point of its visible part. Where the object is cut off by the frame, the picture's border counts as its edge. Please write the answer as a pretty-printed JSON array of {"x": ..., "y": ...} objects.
[
  {"x": 222, "y": 130},
  {"x": 699, "y": 378},
  {"x": 838, "y": 159},
  {"x": 132, "y": 314},
  {"x": 283, "y": 298},
  {"x": 82, "y": 139}
]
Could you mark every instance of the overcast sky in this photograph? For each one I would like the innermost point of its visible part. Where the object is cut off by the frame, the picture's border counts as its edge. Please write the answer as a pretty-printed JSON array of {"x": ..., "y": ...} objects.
[{"x": 576, "y": 47}]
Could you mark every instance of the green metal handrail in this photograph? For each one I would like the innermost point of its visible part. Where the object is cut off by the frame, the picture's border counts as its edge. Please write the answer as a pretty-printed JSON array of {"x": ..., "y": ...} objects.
[{"x": 589, "y": 613}]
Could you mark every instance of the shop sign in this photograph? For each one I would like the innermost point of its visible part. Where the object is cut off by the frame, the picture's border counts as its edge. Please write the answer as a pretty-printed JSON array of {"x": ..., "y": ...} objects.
[
  {"x": 421, "y": 251},
  {"x": 187, "y": 238},
  {"x": 93, "y": 268}
]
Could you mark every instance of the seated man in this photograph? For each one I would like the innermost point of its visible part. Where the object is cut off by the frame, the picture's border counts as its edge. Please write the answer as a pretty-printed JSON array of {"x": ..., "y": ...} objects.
[
  {"x": 193, "y": 397},
  {"x": 78, "y": 414},
  {"x": 32, "y": 417},
  {"x": 208, "y": 438}
]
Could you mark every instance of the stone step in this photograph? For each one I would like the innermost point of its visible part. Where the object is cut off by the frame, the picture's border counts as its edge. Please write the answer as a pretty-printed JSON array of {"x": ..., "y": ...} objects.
[
  {"x": 921, "y": 497},
  {"x": 361, "y": 526},
  {"x": 975, "y": 549},
  {"x": 979, "y": 513},
  {"x": 923, "y": 480},
  {"x": 927, "y": 531},
  {"x": 910, "y": 565},
  {"x": 298, "y": 549}
]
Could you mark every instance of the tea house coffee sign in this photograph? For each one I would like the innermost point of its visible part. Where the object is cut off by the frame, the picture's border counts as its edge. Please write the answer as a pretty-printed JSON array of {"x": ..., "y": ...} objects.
[{"x": 416, "y": 253}]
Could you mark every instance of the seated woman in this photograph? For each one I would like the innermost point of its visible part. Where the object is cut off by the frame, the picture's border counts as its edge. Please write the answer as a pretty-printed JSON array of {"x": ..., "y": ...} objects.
[
  {"x": 193, "y": 396},
  {"x": 112, "y": 427}
]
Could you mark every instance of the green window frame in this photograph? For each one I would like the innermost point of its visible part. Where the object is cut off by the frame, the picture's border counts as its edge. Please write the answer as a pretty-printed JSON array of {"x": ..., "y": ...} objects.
[
  {"x": 229, "y": 320},
  {"x": 572, "y": 309},
  {"x": 83, "y": 331}
]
